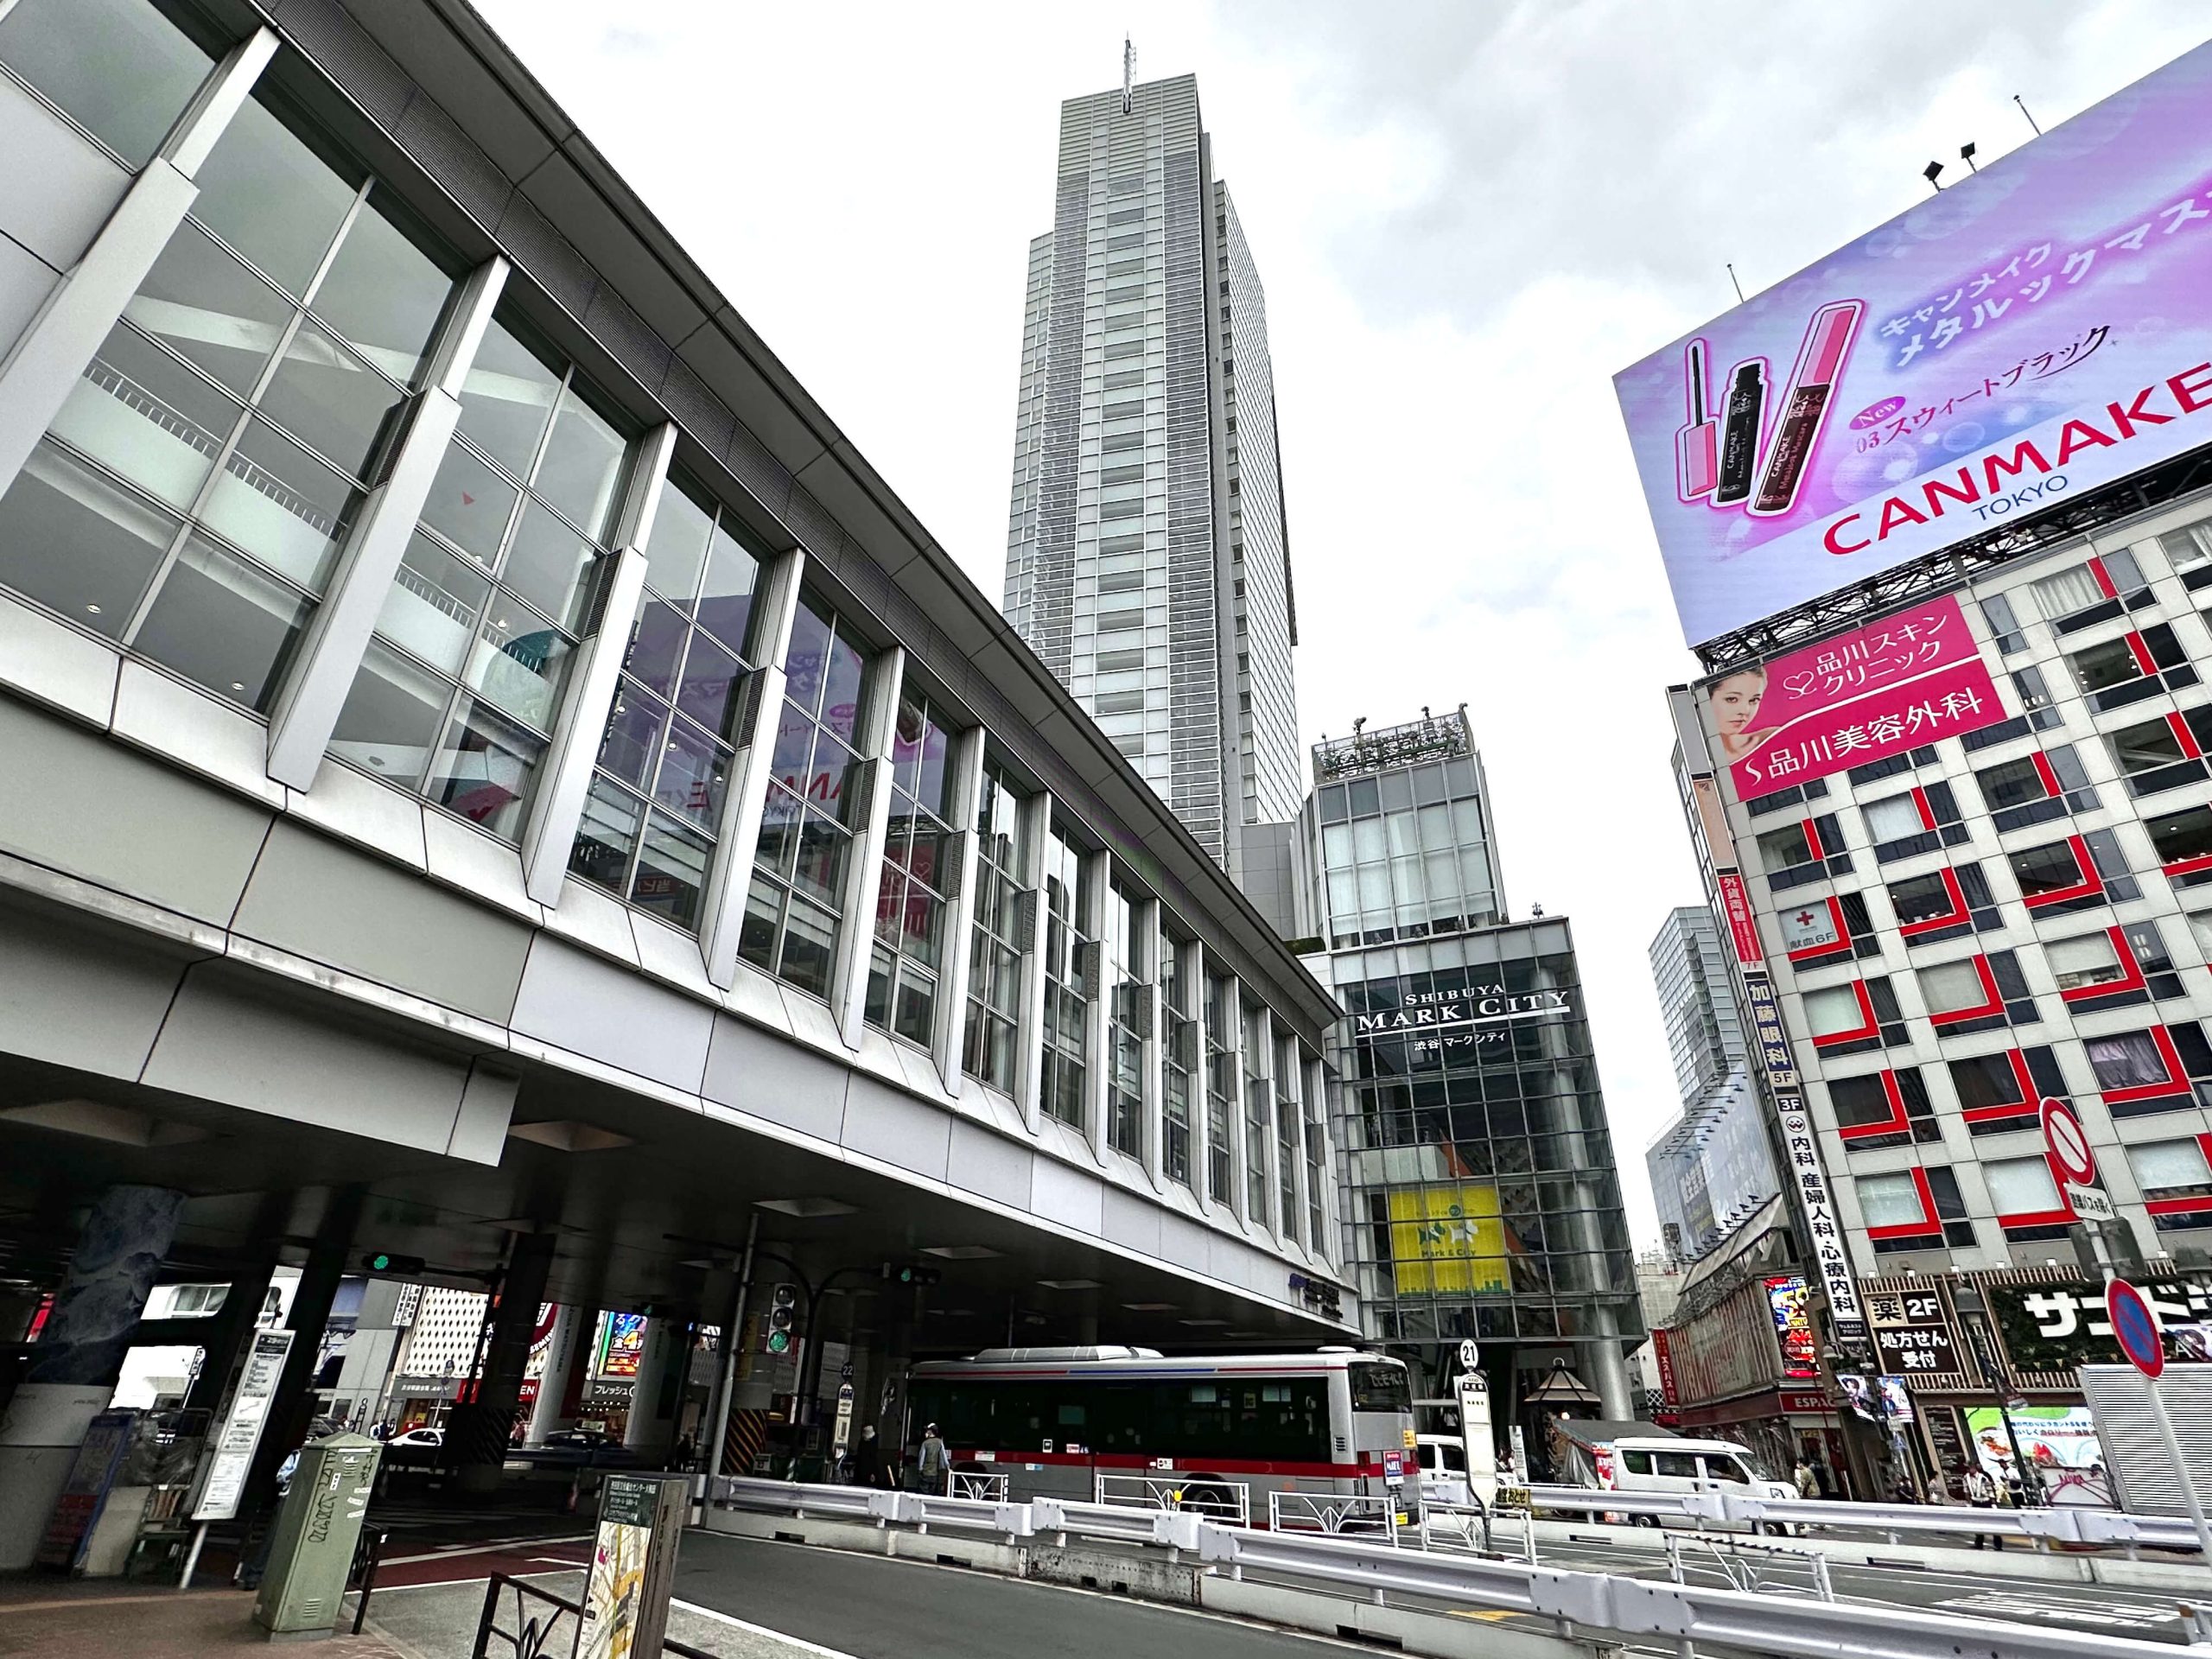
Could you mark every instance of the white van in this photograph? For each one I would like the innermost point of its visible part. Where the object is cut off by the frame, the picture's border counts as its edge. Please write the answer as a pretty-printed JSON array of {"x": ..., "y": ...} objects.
[
  {"x": 1443, "y": 1471},
  {"x": 1684, "y": 1466}
]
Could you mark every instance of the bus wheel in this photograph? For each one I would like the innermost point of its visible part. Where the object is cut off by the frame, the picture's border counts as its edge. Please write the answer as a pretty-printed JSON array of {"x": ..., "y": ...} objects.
[{"x": 1208, "y": 1496}]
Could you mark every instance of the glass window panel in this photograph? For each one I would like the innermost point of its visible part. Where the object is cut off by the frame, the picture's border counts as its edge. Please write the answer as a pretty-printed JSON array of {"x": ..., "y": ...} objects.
[
  {"x": 756, "y": 937},
  {"x": 890, "y": 901},
  {"x": 803, "y": 663},
  {"x": 518, "y": 665},
  {"x": 2046, "y": 869},
  {"x": 2163, "y": 1165},
  {"x": 2128, "y": 1060},
  {"x": 1952, "y": 986},
  {"x": 2067, "y": 591},
  {"x": 1833, "y": 1009},
  {"x": 332, "y": 402},
  {"x": 835, "y": 781},
  {"x": 778, "y": 850},
  {"x": 1985, "y": 1080},
  {"x": 434, "y": 603},
  {"x": 470, "y": 505},
  {"x": 79, "y": 543},
  {"x": 809, "y": 948},
  {"x": 842, "y": 668},
  {"x": 1892, "y": 820},
  {"x": 712, "y": 680},
  {"x": 139, "y": 411},
  {"x": 280, "y": 505},
  {"x": 2090, "y": 960},
  {"x": 507, "y": 399},
  {"x": 672, "y": 872},
  {"x": 221, "y": 622},
  {"x": 912, "y": 1016},
  {"x": 926, "y": 853},
  {"x": 1890, "y": 1201},
  {"x": 1367, "y": 842},
  {"x": 271, "y": 198},
  {"x": 2107, "y": 665},
  {"x": 582, "y": 464},
  {"x": 384, "y": 294},
  {"x": 550, "y": 565},
  {"x": 483, "y": 768},
  {"x": 726, "y": 596},
  {"x": 205, "y": 305},
  {"x": 607, "y": 837},
  {"x": 634, "y": 735},
  {"x": 794, "y": 749},
  {"x": 117, "y": 67},
  {"x": 2139, "y": 748},
  {"x": 392, "y": 716},
  {"x": 677, "y": 547},
  {"x": 657, "y": 646},
  {"x": 693, "y": 774},
  {"x": 2020, "y": 1186},
  {"x": 821, "y": 868},
  {"x": 919, "y": 925}
]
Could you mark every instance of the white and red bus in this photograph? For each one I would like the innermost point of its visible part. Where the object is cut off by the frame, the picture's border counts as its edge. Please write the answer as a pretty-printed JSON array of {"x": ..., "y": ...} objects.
[{"x": 1053, "y": 1419}]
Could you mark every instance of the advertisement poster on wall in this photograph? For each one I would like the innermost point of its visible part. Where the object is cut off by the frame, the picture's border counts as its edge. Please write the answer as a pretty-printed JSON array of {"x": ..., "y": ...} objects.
[
  {"x": 1793, "y": 1327},
  {"x": 1890, "y": 687},
  {"x": 2059, "y": 1443},
  {"x": 2038, "y": 329},
  {"x": 1448, "y": 1239},
  {"x": 626, "y": 1344}
]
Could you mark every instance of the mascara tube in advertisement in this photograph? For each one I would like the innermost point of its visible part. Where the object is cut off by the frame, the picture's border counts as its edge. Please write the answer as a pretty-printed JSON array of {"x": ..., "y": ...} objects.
[
  {"x": 1827, "y": 342},
  {"x": 1739, "y": 437},
  {"x": 1696, "y": 468}
]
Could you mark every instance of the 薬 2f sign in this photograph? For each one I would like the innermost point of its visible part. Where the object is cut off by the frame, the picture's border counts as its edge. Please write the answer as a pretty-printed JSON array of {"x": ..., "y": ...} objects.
[
  {"x": 1891, "y": 686},
  {"x": 2038, "y": 329}
]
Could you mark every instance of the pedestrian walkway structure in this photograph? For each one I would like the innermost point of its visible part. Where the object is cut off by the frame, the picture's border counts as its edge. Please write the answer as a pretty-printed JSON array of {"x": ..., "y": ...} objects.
[{"x": 497, "y": 781}]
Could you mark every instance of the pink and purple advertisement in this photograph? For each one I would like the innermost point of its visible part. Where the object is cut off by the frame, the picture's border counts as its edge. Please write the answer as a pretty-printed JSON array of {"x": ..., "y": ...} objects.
[
  {"x": 2037, "y": 330},
  {"x": 1893, "y": 685}
]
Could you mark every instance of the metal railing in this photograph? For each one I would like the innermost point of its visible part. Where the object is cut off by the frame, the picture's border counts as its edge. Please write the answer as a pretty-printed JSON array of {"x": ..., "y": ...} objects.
[
  {"x": 1229, "y": 1502},
  {"x": 1333, "y": 1514},
  {"x": 1755, "y": 1568},
  {"x": 2042, "y": 1528},
  {"x": 970, "y": 1482},
  {"x": 538, "y": 1631},
  {"x": 1649, "y": 1611}
]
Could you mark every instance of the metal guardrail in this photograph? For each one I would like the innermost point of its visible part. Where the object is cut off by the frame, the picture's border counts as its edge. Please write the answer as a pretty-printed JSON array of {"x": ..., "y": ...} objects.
[
  {"x": 1334, "y": 1515},
  {"x": 1229, "y": 1502},
  {"x": 2063, "y": 1525},
  {"x": 1575, "y": 1602},
  {"x": 972, "y": 1483},
  {"x": 1749, "y": 1566},
  {"x": 538, "y": 1632}
]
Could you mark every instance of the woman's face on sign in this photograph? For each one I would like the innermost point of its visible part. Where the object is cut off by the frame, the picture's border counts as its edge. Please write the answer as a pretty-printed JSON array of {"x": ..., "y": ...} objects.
[{"x": 1736, "y": 701}]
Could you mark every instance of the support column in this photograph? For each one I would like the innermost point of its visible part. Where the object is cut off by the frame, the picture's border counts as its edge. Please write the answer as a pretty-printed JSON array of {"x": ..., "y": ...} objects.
[
  {"x": 568, "y": 1347},
  {"x": 78, "y": 1356},
  {"x": 498, "y": 1387},
  {"x": 291, "y": 1410},
  {"x": 964, "y": 801},
  {"x": 1608, "y": 1368},
  {"x": 650, "y": 1429},
  {"x": 228, "y": 1332},
  {"x": 557, "y": 808},
  {"x": 875, "y": 730},
  {"x": 738, "y": 836},
  {"x": 323, "y": 668},
  {"x": 43, "y": 367},
  {"x": 1029, "y": 1033}
]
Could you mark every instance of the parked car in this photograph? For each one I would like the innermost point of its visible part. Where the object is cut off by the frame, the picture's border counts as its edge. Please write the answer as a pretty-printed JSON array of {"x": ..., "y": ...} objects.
[
  {"x": 1443, "y": 1469},
  {"x": 417, "y": 1448},
  {"x": 590, "y": 1448}
]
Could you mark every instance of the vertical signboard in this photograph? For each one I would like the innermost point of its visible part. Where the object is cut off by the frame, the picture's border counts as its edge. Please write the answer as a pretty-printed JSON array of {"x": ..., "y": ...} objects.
[
  {"x": 241, "y": 1432},
  {"x": 1743, "y": 927},
  {"x": 1810, "y": 1181},
  {"x": 632, "y": 1566}
]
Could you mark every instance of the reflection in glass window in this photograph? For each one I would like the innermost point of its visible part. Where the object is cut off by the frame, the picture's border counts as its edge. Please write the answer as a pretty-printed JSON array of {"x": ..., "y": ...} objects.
[
  {"x": 2092, "y": 959},
  {"x": 794, "y": 914},
  {"x": 1288, "y": 1151},
  {"x": 998, "y": 942},
  {"x": 1786, "y": 849},
  {"x": 1832, "y": 1010},
  {"x": 1951, "y": 987},
  {"x": 1256, "y": 1114},
  {"x": 190, "y": 499},
  {"x": 1179, "y": 1055},
  {"x": 1316, "y": 1157},
  {"x": 117, "y": 68},
  {"x": 2170, "y": 1169},
  {"x": 457, "y": 696},
  {"x": 2021, "y": 1186},
  {"x": 1221, "y": 1088},
  {"x": 909, "y": 905},
  {"x": 655, "y": 810},
  {"x": 2182, "y": 837},
  {"x": 1069, "y": 979},
  {"x": 2054, "y": 868},
  {"x": 1124, "y": 976},
  {"x": 1890, "y": 1201}
]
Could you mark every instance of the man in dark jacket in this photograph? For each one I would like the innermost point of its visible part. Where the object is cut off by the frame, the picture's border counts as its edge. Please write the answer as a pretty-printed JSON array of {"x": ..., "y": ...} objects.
[{"x": 867, "y": 1458}]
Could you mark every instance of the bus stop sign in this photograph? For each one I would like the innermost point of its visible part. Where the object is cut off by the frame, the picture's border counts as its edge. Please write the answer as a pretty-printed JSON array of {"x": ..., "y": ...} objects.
[{"x": 2135, "y": 1327}]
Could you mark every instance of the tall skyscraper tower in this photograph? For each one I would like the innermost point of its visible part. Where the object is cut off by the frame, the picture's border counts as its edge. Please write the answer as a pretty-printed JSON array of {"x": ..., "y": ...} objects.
[{"x": 1146, "y": 559}]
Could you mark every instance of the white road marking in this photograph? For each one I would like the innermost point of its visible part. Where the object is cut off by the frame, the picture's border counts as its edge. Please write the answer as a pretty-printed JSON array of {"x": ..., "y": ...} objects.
[
  {"x": 2016, "y": 1603},
  {"x": 751, "y": 1629}
]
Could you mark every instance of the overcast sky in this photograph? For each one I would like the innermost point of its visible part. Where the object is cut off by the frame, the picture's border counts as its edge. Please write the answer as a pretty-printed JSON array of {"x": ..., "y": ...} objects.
[{"x": 1467, "y": 217}]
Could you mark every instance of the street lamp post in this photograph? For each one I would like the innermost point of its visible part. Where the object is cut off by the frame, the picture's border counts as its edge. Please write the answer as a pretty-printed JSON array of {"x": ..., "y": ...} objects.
[{"x": 1974, "y": 1315}]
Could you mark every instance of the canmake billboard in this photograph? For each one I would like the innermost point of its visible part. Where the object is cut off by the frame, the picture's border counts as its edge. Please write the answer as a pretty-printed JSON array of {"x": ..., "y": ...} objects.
[{"x": 2037, "y": 330}]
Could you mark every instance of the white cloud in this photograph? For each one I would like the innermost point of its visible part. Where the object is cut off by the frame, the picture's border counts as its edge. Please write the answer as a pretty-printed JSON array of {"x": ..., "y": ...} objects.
[{"x": 1467, "y": 217}]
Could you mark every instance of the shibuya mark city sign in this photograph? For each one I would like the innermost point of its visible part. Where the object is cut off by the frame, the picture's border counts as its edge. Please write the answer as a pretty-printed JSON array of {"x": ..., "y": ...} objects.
[
  {"x": 1879, "y": 691},
  {"x": 2039, "y": 329},
  {"x": 1478, "y": 1005}
]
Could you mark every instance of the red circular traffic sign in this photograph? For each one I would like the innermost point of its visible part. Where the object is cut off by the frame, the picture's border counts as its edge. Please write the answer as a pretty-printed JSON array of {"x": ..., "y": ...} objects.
[
  {"x": 2069, "y": 1143},
  {"x": 2135, "y": 1327}
]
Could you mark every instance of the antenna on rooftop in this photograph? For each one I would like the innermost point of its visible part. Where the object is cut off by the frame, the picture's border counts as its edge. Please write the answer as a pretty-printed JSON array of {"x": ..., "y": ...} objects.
[{"x": 1129, "y": 72}]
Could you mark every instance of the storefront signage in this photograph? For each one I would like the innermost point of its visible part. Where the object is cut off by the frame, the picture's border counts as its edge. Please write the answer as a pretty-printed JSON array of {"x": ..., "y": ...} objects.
[
  {"x": 2060, "y": 1327},
  {"x": 1775, "y": 1052},
  {"x": 241, "y": 1432},
  {"x": 1477, "y": 1005},
  {"x": 1915, "y": 1350},
  {"x": 1814, "y": 1199},
  {"x": 1743, "y": 927},
  {"x": 1661, "y": 1345},
  {"x": 1793, "y": 1327}
]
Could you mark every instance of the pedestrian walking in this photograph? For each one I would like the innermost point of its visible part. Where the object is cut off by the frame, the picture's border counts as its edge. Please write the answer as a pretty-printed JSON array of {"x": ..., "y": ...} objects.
[
  {"x": 867, "y": 1458},
  {"x": 936, "y": 1471},
  {"x": 1823, "y": 1478},
  {"x": 1939, "y": 1489},
  {"x": 1802, "y": 1477},
  {"x": 1981, "y": 1494}
]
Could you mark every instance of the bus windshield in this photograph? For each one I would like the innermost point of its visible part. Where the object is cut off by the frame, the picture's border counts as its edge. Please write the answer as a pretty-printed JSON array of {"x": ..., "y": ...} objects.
[{"x": 1378, "y": 1387}]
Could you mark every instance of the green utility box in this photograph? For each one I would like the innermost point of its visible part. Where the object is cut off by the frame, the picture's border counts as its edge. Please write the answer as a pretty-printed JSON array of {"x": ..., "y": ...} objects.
[{"x": 317, "y": 1527}]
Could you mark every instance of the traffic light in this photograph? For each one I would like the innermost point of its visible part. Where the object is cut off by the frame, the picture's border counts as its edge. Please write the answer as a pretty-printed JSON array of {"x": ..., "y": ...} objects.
[
  {"x": 924, "y": 1276},
  {"x": 394, "y": 1267},
  {"x": 783, "y": 1312}
]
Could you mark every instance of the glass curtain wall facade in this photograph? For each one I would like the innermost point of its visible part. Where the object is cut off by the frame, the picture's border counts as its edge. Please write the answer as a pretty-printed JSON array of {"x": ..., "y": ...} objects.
[
  {"x": 1069, "y": 975},
  {"x": 1124, "y": 974},
  {"x": 1479, "y": 1193},
  {"x": 190, "y": 500},
  {"x": 1147, "y": 558},
  {"x": 1178, "y": 1059},
  {"x": 911, "y": 900},
  {"x": 1001, "y": 935}
]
